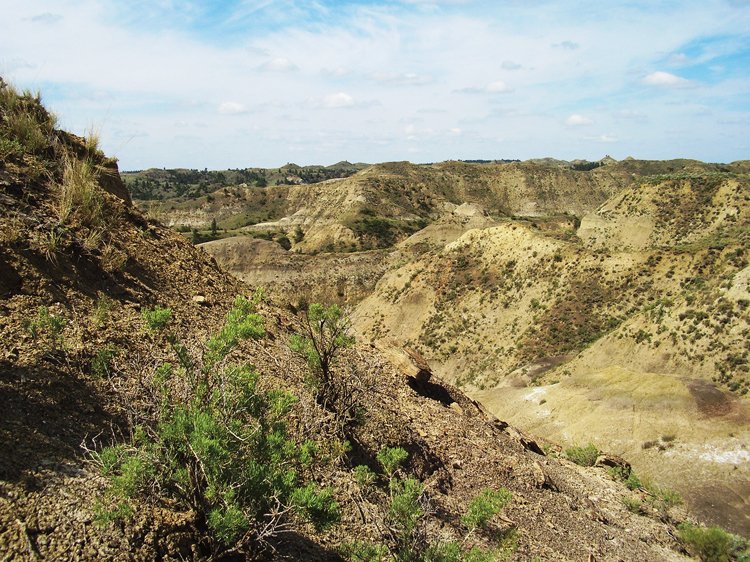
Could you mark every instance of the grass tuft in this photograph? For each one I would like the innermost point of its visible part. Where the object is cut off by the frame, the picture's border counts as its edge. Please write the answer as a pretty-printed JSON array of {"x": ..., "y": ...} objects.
[{"x": 80, "y": 196}]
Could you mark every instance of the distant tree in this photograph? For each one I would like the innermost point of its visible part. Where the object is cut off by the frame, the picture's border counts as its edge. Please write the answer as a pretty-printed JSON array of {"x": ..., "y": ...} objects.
[{"x": 213, "y": 227}]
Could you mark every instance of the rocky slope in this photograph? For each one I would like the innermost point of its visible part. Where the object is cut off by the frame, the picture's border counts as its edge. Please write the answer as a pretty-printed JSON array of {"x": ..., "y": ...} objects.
[{"x": 79, "y": 368}]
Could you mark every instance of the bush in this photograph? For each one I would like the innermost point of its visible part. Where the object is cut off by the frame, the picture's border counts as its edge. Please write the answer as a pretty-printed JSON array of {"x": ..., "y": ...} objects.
[
  {"x": 405, "y": 535},
  {"x": 47, "y": 324},
  {"x": 484, "y": 507},
  {"x": 326, "y": 335},
  {"x": 218, "y": 446},
  {"x": 584, "y": 456},
  {"x": 713, "y": 544},
  {"x": 101, "y": 363},
  {"x": 391, "y": 458}
]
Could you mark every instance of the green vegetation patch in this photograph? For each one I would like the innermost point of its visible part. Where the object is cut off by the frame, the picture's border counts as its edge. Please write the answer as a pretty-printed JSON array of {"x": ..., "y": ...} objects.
[{"x": 378, "y": 231}]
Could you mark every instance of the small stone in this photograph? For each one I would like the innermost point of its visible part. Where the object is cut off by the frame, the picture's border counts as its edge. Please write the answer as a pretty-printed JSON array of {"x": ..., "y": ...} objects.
[
  {"x": 455, "y": 407},
  {"x": 200, "y": 299}
]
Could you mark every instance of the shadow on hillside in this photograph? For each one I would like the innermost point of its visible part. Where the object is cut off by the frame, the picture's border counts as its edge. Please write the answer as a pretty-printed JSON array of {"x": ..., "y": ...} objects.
[
  {"x": 46, "y": 415},
  {"x": 293, "y": 546}
]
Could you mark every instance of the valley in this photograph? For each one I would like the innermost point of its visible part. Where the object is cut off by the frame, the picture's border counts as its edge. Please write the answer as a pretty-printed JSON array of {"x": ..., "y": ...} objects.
[{"x": 606, "y": 305}]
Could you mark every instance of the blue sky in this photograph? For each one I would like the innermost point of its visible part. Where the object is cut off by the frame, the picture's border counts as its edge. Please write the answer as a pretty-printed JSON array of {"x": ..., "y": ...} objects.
[{"x": 263, "y": 82}]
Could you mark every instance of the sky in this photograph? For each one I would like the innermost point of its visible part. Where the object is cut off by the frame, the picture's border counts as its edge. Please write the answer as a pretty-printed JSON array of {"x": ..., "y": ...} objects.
[{"x": 241, "y": 83}]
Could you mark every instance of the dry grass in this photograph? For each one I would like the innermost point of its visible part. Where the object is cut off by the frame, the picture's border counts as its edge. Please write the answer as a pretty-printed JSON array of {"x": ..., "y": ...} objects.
[
  {"x": 92, "y": 140},
  {"x": 49, "y": 244},
  {"x": 113, "y": 259},
  {"x": 11, "y": 229},
  {"x": 24, "y": 120},
  {"x": 80, "y": 197}
]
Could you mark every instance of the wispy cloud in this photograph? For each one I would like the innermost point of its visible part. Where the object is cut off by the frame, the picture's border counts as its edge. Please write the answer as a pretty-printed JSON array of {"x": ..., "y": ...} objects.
[
  {"x": 46, "y": 17},
  {"x": 334, "y": 80},
  {"x": 567, "y": 45},
  {"x": 279, "y": 64},
  {"x": 577, "y": 120},
  {"x": 338, "y": 100},
  {"x": 666, "y": 80}
]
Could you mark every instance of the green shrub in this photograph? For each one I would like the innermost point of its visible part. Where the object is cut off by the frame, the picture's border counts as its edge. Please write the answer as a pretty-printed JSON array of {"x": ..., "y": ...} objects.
[
  {"x": 391, "y": 458},
  {"x": 241, "y": 323},
  {"x": 713, "y": 544},
  {"x": 326, "y": 334},
  {"x": 218, "y": 447},
  {"x": 584, "y": 456},
  {"x": 484, "y": 507},
  {"x": 361, "y": 551},
  {"x": 633, "y": 504},
  {"x": 157, "y": 318},
  {"x": 364, "y": 475},
  {"x": 627, "y": 476},
  {"x": 101, "y": 363},
  {"x": 405, "y": 539}
]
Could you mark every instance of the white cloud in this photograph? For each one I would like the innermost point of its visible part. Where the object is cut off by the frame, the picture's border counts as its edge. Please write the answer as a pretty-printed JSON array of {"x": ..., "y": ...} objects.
[
  {"x": 631, "y": 114},
  {"x": 46, "y": 17},
  {"x": 279, "y": 64},
  {"x": 338, "y": 100},
  {"x": 232, "y": 108},
  {"x": 498, "y": 87},
  {"x": 338, "y": 72},
  {"x": 577, "y": 120},
  {"x": 666, "y": 80},
  {"x": 607, "y": 138}
]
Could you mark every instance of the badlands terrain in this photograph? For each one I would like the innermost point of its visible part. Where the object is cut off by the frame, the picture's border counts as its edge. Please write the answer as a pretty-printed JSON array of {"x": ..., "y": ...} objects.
[
  {"x": 585, "y": 302},
  {"x": 156, "y": 407}
]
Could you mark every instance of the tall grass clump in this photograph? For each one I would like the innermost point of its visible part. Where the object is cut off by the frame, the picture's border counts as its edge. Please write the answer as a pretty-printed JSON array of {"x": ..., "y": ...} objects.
[
  {"x": 25, "y": 122},
  {"x": 80, "y": 196}
]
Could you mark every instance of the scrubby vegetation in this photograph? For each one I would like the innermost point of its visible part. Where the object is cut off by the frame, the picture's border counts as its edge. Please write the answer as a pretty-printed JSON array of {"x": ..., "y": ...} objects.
[
  {"x": 404, "y": 519},
  {"x": 585, "y": 456},
  {"x": 713, "y": 544},
  {"x": 217, "y": 444}
]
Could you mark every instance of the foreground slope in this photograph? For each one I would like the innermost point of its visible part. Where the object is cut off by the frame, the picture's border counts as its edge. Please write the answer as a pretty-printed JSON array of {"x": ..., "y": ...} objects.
[{"x": 78, "y": 370}]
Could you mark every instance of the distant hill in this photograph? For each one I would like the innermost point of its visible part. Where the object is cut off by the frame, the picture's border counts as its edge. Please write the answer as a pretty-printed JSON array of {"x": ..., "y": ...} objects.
[
  {"x": 383, "y": 204},
  {"x": 181, "y": 183}
]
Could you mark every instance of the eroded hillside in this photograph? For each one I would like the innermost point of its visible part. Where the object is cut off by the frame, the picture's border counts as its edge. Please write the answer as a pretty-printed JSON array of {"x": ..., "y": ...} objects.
[
  {"x": 594, "y": 336},
  {"x": 124, "y": 404},
  {"x": 385, "y": 203},
  {"x": 559, "y": 297}
]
